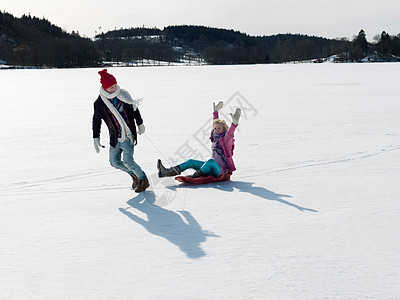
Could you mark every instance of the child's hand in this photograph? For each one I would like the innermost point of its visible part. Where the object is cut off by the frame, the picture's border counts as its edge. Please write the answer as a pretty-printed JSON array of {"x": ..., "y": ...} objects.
[
  {"x": 235, "y": 117},
  {"x": 218, "y": 106}
]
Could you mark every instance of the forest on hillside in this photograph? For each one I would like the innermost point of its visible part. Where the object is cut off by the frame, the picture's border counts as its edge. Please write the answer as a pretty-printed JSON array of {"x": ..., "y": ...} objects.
[{"x": 30, "y": 41}]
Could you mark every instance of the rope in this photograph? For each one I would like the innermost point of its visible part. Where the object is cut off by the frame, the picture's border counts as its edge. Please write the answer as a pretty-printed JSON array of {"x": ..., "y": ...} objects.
[
  {"x": 184, "y": 199},
  {"x": 166, "y": 159}
]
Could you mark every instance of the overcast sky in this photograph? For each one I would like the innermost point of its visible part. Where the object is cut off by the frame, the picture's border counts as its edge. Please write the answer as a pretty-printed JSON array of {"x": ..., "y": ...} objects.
[{"x": 339, "y": 18}]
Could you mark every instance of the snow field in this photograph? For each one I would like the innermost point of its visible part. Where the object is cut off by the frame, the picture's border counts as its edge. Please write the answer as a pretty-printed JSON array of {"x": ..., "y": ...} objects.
[{"x": 311, "y": 213}]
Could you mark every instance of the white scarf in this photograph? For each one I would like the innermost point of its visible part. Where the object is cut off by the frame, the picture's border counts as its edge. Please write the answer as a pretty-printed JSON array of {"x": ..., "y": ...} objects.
[{"x": 124, "y": 96}]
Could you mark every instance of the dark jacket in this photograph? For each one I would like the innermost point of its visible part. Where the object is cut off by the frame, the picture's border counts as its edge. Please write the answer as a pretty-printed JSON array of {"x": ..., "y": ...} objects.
[{"x": 101, "y": 112}]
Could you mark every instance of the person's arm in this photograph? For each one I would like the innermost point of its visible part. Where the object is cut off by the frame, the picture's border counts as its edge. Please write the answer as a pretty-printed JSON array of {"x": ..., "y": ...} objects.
[
  {"x": 96, "y": 122},
  {"x": 216, "y": 108},
  {"x": 96, "y": 126},
  {"x": 139, "y": 121},
  {"x": 235, "y": 121}
]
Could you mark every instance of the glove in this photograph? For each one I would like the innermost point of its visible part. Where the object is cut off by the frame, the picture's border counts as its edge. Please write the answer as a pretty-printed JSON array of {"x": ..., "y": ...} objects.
[
  {"x": 235, "y": 117},
  {"x": 141, "y": 128},
  {"x": 97, "y": 145},
  {"x": 218, "y": 106}
]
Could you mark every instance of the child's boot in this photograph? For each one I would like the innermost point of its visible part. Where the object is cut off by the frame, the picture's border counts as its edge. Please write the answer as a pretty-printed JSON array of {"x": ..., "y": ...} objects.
[
  {"x": 164, "y": 172},
  {"x": 197, "y": 174}
]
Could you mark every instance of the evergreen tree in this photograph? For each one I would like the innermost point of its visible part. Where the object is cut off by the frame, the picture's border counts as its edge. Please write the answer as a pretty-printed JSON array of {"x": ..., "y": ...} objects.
[
  {"x": 361, "y": 41},
  {"x": 359, "y": 47}
]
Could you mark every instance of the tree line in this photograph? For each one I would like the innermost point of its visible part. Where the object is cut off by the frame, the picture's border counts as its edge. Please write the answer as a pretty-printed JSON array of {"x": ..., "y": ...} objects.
[
  {"x": 385, "y": 49},
  {"x": 30, "y": 41}
]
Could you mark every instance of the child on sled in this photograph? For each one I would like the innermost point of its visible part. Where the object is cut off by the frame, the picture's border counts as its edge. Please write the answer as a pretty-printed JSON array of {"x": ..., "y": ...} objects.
[{"x": 221, "y": 161}]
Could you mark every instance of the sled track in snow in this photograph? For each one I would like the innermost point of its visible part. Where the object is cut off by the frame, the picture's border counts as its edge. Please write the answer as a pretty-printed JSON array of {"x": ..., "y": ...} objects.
[
  {"x": 355, "y": 156},
  {"x": 42, "y": 186}
]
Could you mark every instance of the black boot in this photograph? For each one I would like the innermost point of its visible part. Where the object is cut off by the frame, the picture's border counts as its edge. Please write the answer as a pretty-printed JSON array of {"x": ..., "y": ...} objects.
[
  {"x": 164, "y": 172},
  {"x": 197, "y": 174}
]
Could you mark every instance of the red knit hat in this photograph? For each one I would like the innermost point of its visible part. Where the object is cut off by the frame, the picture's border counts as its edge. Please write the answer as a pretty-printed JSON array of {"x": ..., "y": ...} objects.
[{"x": 106, "y": 79}]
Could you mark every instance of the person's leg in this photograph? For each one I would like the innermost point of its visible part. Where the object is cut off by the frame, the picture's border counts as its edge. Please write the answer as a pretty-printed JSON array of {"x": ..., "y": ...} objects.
[
  {"x": 128, "y": 161},
  {"x": 191, "y": 164},
  {"x": 211, "y": 167},
  {"x": 115, "y": 158}
]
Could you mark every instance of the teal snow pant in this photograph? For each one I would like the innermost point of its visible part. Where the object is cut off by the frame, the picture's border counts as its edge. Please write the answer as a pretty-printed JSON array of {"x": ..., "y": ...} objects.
[{"x": 210, "y": 167}]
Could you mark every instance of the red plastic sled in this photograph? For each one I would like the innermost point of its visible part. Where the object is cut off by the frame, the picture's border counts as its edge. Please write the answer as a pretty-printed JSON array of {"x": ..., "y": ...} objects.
[{"x": 203, "y": 179}]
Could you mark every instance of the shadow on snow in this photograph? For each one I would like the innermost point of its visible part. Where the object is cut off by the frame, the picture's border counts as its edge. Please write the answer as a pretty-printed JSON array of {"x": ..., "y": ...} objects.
[
  {"x": 180, "y": 229},
  {"x": 246, "y": 187}
]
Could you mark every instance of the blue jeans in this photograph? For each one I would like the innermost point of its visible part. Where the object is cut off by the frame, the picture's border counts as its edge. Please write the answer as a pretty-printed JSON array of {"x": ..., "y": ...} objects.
[
  {"x": 127, "y": 164},
  {"x": 210, "y": 167}
]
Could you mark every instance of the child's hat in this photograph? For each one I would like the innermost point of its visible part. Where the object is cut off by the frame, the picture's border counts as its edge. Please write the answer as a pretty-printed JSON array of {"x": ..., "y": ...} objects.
[{"x": 106, "y": 79}]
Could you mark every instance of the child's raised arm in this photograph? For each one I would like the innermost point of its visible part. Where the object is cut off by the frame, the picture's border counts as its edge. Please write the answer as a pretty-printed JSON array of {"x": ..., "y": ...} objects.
[
  {"x": 235, "y": 117},
  {"x": 216, "y": 108},
  {"x": 235, "y": 121}
]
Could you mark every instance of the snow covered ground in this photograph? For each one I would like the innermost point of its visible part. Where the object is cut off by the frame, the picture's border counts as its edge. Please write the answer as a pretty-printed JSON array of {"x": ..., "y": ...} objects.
[{"x": 311, "y": 213}]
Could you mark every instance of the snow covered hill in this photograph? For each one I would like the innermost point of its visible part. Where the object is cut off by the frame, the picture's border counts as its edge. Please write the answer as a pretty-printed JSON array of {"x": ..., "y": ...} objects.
[{"x": 311, "y": 213}]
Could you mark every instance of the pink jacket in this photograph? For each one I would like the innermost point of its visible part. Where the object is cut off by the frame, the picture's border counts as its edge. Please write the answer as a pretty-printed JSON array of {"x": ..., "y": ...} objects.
[{"x": 227, "y": 144}]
